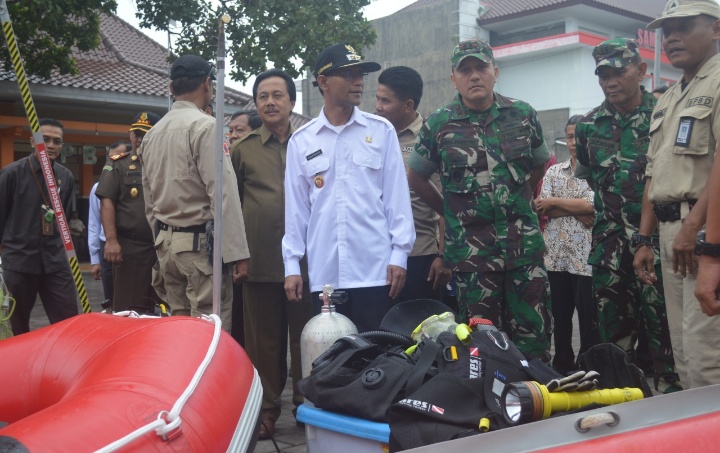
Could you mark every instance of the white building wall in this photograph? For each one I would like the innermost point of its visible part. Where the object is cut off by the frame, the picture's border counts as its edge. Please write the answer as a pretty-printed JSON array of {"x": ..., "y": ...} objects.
[
  {"x": 467, "y": 24},
  {"x": 423, "y": 39},
  {"x": 563, "y": 80}
]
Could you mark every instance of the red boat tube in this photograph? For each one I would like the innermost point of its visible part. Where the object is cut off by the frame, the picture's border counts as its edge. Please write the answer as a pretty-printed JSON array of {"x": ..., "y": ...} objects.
[{"x": 87, "y": 382}]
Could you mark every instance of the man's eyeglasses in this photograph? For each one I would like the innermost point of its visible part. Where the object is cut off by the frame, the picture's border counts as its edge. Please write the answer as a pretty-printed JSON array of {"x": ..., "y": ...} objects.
[{"x": 348, "y": 74}]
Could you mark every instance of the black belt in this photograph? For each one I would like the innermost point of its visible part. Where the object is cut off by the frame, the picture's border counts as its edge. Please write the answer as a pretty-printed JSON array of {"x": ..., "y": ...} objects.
[
  {"x": 670, "y": 212},
  {"x": 190, "y": 229},
  {"x": 129, "y": 234}
]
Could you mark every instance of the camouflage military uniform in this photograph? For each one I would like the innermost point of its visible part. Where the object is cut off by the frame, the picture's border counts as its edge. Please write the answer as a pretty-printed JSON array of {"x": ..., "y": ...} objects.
[
  {"x": 611, "y": 152},
  {"x": 492, "y": 238}
]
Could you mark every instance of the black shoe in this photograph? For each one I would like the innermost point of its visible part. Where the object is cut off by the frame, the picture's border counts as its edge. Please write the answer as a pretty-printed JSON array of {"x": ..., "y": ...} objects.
[
  {"x": 267, "y": 428},
  {"x": 298, "y": 423}
]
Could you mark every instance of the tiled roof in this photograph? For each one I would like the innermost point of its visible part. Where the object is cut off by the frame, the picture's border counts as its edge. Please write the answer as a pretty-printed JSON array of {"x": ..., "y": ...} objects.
[
  {"x": 645, "y": 9},
  {"x": 128, "y": 61},
  {"x": 132, "y": 43}
]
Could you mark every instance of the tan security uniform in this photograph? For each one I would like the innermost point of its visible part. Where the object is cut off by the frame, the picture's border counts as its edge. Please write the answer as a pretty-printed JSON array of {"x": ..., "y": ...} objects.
[
  {"x": 683, "y": 133},
  {"x": 259, "y": 163},
  {"x": 121, "y": 181},
  {"x": 425, "y": 250},
  {"x": 178, "y": 155},
  {"x": 425, "y": 218}
]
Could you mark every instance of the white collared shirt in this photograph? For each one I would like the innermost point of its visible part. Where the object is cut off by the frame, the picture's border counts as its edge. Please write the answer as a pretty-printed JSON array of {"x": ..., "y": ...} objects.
[
  {"x": 96, "y": 234},
  {"x": 347, "y": 202}
]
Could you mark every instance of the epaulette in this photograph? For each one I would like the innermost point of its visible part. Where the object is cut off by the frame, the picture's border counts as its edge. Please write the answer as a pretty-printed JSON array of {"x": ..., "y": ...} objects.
[{"x": 119, "y": 156}]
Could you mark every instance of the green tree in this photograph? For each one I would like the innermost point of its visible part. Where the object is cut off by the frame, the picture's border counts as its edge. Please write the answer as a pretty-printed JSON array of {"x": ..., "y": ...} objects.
[
  {"x": 285, "y": 34},
  {"x": 47, "y": 30},
  {"x": 262, "y": 33}
]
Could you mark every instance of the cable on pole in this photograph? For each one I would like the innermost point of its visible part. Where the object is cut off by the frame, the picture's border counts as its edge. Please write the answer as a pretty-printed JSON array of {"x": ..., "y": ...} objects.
[{"x": 48, "y": 174}]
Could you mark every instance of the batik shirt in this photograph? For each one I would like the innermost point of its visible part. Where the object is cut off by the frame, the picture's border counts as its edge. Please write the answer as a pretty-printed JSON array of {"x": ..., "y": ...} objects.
[{"x": 567, "y": 240}]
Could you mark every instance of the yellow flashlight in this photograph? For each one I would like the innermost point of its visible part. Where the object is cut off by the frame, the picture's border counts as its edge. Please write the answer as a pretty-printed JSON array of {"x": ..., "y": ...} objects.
[{"x": 528, "y": 401}]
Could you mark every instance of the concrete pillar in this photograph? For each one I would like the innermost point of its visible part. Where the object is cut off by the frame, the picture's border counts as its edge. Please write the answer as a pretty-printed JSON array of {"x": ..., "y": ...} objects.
[
  {"x": 7, "y": 150},
  {"x": 86, "y": 179}
]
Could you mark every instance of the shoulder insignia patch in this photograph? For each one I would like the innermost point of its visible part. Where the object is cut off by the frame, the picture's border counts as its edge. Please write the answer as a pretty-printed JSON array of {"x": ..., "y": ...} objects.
[
  {"x": 107, "y": 168},
  {"x": 118, "y": 156}
]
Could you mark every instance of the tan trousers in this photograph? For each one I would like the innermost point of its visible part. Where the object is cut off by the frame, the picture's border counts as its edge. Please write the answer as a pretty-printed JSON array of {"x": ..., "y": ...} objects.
[
  {"x": 695, "y": 337},
  {"x": 187, "y": 274},
  {"x": 268, "y": 318}
]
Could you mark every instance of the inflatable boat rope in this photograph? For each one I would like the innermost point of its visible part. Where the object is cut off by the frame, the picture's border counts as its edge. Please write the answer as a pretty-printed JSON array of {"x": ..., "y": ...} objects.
[
  {"x": 168, "y": 423},
  {"x": 585, "y": 424},
  {"x": 134, "y": 314}
]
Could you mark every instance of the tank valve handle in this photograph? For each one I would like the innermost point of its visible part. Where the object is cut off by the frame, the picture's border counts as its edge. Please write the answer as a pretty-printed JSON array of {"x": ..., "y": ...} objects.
[{"x": 331, "y": 297}]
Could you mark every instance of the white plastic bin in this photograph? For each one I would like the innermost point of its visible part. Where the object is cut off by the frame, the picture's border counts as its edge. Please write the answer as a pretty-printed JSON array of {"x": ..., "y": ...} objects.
[{"x": 328, "y": 432}]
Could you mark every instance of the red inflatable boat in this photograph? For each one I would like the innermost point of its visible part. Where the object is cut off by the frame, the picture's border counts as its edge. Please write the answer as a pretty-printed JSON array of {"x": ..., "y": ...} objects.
[
  {"x": 680, "y": 422},
  {"x": 98, "y": 382}
]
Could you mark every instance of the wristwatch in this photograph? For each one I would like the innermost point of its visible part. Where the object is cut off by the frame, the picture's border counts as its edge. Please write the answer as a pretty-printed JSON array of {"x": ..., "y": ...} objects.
[
  {"x": 638, "y": 240},
  {"x": 706, "y": 248}
]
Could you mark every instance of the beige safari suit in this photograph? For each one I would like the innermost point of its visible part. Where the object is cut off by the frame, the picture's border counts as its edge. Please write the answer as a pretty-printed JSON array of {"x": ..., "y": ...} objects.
[
  {"x": 178, "y": 156},
  {"x": 424, "y": 217},
  {"x": 679, "y": 173}
]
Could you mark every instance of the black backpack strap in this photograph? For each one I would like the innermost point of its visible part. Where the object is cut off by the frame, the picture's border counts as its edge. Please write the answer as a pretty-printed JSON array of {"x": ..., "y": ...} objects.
[
  {"x": 355, "y": 341},
  {"x": 352, "y": 341},
  {"x": 427, "y": 357},
  {"x": 615, "y": 368}
]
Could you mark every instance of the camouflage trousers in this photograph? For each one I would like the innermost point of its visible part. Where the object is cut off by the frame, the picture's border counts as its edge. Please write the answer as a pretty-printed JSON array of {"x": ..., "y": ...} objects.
[
  {"x": 624, "y": 302},
  {"x": 517, "y": 301}
]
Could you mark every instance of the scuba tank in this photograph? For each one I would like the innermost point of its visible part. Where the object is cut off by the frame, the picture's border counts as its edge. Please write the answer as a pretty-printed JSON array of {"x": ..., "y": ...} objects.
[{"x": 324, "y": 329}]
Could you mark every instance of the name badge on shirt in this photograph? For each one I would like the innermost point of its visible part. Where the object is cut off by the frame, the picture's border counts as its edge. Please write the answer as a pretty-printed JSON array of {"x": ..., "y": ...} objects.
[
  {"x": 47, "y": 221},
  {"x": 47, "y": 228},
  {"x": 313, "y": 155},
  {"x": 684, "y": 132}
]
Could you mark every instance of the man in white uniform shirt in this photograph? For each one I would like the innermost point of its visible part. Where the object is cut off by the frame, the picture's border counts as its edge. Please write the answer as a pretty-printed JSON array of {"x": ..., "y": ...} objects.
[
  {"x": 101, "y": 268},
  {"x": 347, "y": 200}
]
